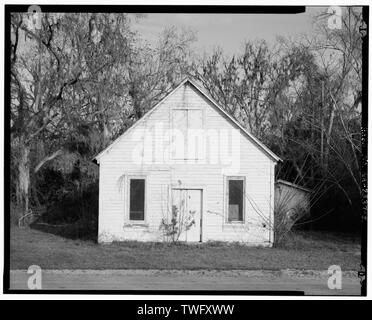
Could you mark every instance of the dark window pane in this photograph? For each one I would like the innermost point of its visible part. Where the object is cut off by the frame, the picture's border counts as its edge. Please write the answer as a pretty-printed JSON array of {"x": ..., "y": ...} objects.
[
  {"x": 137, "y": 199},
  {"x": 236, "y": 190}
]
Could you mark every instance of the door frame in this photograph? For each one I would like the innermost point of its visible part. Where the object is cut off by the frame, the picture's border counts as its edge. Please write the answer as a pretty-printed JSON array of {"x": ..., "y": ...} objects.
[{"x": 202, "y": 188}]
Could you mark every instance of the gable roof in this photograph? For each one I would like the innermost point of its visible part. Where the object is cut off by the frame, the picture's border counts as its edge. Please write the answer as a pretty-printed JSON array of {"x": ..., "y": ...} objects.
[
  {"x": 258, "y": 143},
  {"x": 293, "y": 185}
]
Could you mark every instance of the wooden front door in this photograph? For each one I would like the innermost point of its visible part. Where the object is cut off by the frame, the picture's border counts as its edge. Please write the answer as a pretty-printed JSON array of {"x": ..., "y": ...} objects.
[{"x": 188, "y": 206}]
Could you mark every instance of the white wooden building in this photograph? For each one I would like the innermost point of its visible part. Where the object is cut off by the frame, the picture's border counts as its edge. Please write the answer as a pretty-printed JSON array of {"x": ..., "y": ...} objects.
[{"x": 187, "y": 157}]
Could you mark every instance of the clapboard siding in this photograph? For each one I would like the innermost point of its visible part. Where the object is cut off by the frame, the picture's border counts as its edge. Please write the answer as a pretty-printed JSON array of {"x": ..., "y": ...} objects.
[{"x": 117, "y": 165}]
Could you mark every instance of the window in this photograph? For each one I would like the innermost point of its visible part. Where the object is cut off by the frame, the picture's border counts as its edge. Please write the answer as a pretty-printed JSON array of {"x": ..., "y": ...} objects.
[
  {"x": 137, "y": 199},
  {"x": 235, "y": 199},
  {"x": 179, "y": 130},
  {"x": 187, "y": 125}
]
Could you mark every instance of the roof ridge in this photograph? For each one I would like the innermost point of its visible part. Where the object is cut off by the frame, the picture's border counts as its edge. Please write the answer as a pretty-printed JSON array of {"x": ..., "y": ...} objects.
[{"x": 206, "y": 95}]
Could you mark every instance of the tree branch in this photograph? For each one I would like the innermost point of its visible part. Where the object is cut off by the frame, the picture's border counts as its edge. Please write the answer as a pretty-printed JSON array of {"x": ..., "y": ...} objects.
[{"x": 46, "y": 159}]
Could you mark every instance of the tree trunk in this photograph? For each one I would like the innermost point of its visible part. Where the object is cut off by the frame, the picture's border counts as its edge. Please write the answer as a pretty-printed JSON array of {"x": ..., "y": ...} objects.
[
  {"x": 24, "y": 176},
  {"x": 322, "y": 130},
  {"x": 104, "y": 122},
  {"x": 313, "y": 143},
  {"x": 328, "y": 138}
]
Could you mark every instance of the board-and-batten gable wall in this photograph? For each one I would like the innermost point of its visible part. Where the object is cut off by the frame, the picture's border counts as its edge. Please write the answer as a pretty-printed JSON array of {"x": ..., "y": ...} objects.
[{"x": 117, "y": 167}]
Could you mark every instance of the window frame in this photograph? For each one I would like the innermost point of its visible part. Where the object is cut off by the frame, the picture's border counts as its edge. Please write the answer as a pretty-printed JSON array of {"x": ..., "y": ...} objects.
[
  {"x": 227, "y": 190},
  {"x": 186, "y": 142},
  {"x": 172, "y": 152},
  {"x": 138, "y": 222}
]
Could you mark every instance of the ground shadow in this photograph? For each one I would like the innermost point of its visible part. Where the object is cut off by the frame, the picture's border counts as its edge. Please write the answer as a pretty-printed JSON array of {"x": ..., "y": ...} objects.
[{"x": 78, "y": 230}]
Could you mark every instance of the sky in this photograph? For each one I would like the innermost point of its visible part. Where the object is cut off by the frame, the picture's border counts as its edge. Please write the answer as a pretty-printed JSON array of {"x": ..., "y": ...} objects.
[{"x": 229, "y": 31}]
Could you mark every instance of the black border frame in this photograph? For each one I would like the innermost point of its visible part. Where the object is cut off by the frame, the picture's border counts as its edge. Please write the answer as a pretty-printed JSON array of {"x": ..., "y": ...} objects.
[{"x": 200, "y": 9}]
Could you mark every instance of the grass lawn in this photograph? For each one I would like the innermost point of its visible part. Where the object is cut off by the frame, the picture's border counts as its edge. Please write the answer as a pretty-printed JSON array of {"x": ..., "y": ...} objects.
[{"x": 306, "y": 250}]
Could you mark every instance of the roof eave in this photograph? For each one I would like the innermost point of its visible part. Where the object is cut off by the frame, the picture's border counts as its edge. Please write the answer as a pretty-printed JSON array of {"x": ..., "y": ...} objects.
[
  {"x": 99, "y": 155},
  {"x": 268, "y": 152},
  {"x": 265, "y": 149}
]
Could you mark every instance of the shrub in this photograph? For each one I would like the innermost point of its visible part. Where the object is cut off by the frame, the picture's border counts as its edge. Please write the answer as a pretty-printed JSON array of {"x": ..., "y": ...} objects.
[
  {"x": 179, "y": 223},
  {"x": 75, "y": 215},
  {"x": 286, "y": 213}
]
